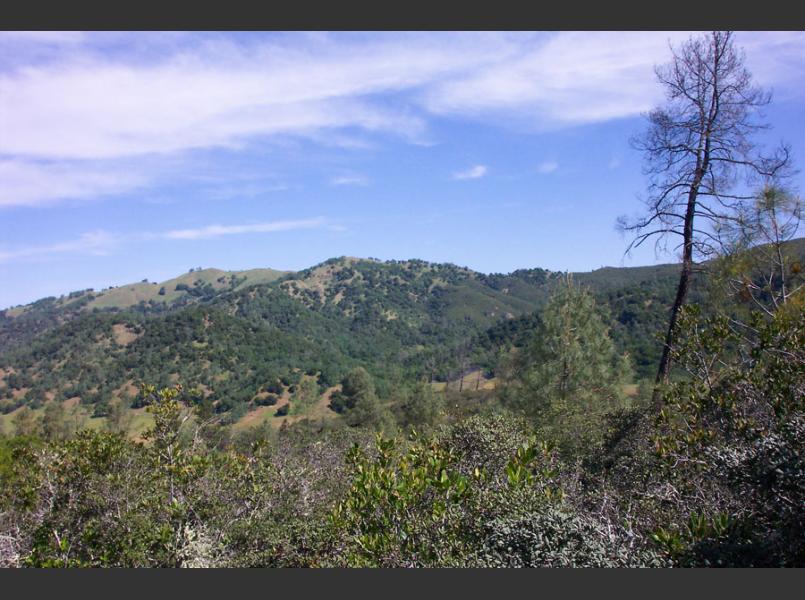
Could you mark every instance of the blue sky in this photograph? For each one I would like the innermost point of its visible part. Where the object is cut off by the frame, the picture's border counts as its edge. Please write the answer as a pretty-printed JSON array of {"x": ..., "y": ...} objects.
[{"x": 126, "y": 156}]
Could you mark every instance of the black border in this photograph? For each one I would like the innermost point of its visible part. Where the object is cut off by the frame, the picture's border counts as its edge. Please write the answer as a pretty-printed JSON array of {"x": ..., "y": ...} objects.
[
  {"x": 445, "y": 584},
  {"x": 409, "y": 15}
]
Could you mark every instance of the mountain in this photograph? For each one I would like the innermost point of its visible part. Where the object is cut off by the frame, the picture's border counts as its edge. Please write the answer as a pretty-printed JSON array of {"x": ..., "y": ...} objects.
[{"x": 237, "y": 336}]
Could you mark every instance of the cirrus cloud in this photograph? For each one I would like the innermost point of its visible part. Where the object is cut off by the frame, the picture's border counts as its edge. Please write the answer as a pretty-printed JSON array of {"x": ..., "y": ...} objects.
[
  {"x": 547, "y": 167},
  {"x": 359, "y": 180},
  {"x": 475, "y": 172},
  {"x": 70, "y": 101},
  {"x": 213, "y": 231},
  {"x": 102, "y": 242}
]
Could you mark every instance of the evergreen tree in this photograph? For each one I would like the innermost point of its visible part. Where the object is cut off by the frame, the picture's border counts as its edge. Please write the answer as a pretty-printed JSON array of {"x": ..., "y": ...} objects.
[
  {"x": 568, "y": 374},
  {"x": 422, "y": 407},
  {"x": 756, "y": 268},
  {"x": 360, "y": 404}
]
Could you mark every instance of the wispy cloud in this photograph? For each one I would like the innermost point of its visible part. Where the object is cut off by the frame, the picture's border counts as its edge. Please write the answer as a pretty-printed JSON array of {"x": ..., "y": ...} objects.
[
  {"x": 82, "y": 98},
  {"x": 350, "y": 180},
  {"x": 475, "y": 172},
  {"x": 220, "y": 94},
  {"x": 96, "y": 243},
  {"x": 213, "y": 231},
  {"x": 570, "y": 78},
  {"x": 103, "y": 242},
  {"x": 43, "y": 37},
  {"x": 36, "y": 183},
  {"x": 244, "y": 190},
  {"x": 586, "y": 77},
  {"x": 547, "y": 167}
]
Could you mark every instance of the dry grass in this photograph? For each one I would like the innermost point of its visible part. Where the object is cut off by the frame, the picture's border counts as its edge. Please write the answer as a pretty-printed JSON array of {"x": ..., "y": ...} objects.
[
  {"x": 468, "y": 383},
  {"x": 320, "y": 410},
  {"x": 71, "y": 402},
  {"x": 631, "y": 389},
  {"x": 124, "y": 335}
]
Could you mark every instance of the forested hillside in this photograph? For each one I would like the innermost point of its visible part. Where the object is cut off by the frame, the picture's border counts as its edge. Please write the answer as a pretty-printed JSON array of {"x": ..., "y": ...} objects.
[
  {"x": 212, "y": 330},
  {"x": 232, "y": 339}
]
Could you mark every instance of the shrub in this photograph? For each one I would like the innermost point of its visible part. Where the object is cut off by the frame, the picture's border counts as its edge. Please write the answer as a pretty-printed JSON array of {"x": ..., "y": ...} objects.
[{"x": 269, "y": 400}]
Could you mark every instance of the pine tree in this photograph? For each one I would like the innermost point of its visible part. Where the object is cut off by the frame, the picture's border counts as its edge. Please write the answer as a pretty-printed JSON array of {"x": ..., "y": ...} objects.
[
  {"x": 757, "y": 268},
  {"x": 697, "y": 147},
  {"x": 422, "y": 407},
  {"x": 360, "y": 401},
  {"x": 568, "y": 374}
]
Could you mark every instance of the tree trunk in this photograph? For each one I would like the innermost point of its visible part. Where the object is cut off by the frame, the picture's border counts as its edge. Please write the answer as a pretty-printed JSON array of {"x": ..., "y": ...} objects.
[
  {"x": 687, "y": 269},
  {"x": 681, "y": 294}
]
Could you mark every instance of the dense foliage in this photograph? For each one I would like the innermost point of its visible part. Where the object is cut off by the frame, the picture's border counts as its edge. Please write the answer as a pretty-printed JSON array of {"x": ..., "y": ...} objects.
[
  {"x": 401, "y": 321},
  {"x": 568, "y": 375},
  {"x": 557, "y": 466}
]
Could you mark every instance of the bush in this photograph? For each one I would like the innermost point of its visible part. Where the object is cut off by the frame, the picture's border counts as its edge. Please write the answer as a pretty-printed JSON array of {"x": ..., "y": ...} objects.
[
  {"x": 269, "y": 400},
  {"x": 557, "y": 537}
]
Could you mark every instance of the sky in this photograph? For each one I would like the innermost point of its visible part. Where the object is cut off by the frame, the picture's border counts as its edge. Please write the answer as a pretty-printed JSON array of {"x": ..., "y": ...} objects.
[{"x": 139, "y": 155}]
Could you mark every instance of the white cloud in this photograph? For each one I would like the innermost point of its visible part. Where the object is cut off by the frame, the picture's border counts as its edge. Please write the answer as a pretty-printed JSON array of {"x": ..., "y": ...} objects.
[
  {"x": 42, "y": 37},
  {"x": 776, "y": 59},
  {"x": 102, "y": 242},
  {"x": 69, "y": 97},
  {"x": 349, "y": 180},
  {"x": 213, "y": 231},
  {"x": 220, "y": 94},
  {"x": 549, "y": 166},
  {"x": 238, "y": 191},
  {"x": 472, "y": 173},
  {"x": 575, "y": 77},
  {"x": 614, "y": 163},
  {"x": 33, "y": 183},
  {"x": 586, "y": 77},
  {"x": 97, "y": 243}
]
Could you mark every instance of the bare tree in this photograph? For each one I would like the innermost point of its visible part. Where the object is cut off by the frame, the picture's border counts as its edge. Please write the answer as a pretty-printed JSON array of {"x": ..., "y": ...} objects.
[{"x": 699, "y": 157}]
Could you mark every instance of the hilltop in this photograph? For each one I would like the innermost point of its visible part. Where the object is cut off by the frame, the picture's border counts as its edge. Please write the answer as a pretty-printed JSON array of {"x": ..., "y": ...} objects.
[{"x": 22, "y": 323}]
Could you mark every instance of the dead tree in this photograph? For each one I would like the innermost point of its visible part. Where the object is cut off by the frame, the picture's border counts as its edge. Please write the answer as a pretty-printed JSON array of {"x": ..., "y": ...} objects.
[{"x": 699, "y": 157}]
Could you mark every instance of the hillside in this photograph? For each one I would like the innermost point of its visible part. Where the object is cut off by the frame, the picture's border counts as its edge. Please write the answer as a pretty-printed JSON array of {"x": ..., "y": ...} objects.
[
  {"x": 234, "y": 335},
  {"x": 22, "y": 323}
]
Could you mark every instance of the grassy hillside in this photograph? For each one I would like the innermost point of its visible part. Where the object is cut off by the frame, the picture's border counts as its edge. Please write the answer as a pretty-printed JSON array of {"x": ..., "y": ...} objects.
[
  {"x": 22, "y": 323},
  {"x": 203, "y": 282}
]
